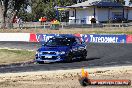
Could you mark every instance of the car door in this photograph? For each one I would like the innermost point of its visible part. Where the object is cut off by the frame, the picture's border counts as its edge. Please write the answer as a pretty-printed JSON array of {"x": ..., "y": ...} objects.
[
  {"x": 76, "y": 47},
  {"x": 80, "y": 47}
]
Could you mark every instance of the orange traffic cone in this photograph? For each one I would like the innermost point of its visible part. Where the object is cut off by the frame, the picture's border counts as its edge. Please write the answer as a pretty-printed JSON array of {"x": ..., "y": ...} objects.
[{"x": 84, "y": 73}]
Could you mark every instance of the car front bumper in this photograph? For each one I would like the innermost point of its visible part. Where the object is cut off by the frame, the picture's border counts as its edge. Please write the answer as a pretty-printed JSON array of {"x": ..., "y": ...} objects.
[
  {"x": 50, "y": 58},
  {"x": 48, "y": 61}
]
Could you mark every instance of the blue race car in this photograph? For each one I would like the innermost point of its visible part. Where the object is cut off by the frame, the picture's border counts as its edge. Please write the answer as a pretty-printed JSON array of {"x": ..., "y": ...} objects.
[{"x": 61, "y": 49}]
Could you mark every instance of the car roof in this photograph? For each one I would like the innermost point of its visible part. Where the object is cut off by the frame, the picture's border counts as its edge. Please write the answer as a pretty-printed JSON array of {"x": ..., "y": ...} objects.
[{"x": 65, "y": 36}]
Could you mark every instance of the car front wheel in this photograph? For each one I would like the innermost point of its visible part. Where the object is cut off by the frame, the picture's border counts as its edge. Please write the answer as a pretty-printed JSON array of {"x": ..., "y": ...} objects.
[
  {"x": 69, "y": 58},
  {"x": 84, "y": 55}
]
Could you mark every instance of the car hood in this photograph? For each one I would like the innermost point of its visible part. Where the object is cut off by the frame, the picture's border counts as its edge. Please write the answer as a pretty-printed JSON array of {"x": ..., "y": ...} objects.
[{"x": 58, "y": 48}]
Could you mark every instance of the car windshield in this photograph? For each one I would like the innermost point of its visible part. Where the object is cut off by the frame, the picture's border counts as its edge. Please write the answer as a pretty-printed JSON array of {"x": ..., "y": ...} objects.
[{"x": 60, "y": 41}]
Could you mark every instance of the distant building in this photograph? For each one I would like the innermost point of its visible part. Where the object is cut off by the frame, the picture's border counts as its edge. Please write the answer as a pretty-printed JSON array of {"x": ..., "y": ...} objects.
[{"x": 101, "y": 10}]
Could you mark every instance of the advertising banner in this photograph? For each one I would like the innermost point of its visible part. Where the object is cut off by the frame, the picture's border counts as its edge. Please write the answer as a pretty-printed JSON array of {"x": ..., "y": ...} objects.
[
  {"x": 90, "y": 38},
  {"x": 96, "y": 38},
  {"x": 83, "y": 37},
  {"x": 129, "y": 39},
  {"x": 43, "y": 37},
  {"x": 33, "y": 38}
]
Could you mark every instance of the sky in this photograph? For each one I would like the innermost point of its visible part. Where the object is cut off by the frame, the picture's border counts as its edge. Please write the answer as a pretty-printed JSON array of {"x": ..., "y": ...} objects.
[
  {"x": 127, "y": 2},
  {"x": 29, "y": 9}
]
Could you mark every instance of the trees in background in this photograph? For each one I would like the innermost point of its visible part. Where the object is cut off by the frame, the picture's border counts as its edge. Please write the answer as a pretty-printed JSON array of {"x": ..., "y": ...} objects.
[
  {"x": 40, "y": 8},
  {"x": 121, "y": 1},
  {"x": 130, "y": 2},
  {"x": 9, "y": 9},
  {"x": 46, "y": 8}
]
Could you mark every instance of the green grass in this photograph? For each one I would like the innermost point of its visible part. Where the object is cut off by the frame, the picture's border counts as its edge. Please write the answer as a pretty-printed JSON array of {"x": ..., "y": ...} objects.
[
  {"x": 106, "y": 30},
  {"x": 15, "y": 56}
]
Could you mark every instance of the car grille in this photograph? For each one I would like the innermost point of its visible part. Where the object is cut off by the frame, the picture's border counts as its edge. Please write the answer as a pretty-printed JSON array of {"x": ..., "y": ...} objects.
[
  {"x": 53, "y": 58},
  {"x": 48, "y": 53}
]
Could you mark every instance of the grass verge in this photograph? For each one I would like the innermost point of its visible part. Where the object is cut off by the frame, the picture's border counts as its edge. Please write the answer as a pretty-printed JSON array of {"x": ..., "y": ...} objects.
[
  {"x": 106, "y": 30},
  {"x": 8, "y": 56}
]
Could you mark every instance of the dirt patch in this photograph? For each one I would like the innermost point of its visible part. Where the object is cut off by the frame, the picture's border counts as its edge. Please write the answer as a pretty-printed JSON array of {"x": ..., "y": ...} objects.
[{"x": 63, "y": 78}]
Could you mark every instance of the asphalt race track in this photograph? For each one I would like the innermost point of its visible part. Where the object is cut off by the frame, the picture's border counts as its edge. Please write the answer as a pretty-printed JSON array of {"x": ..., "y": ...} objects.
[{"x": 98, "y": 55}]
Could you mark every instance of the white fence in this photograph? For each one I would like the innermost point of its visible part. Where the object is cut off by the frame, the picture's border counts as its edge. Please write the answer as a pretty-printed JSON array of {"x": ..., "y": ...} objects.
[
  {"x": 37, "y": 25},
  {"x": 67, "y": 25}
]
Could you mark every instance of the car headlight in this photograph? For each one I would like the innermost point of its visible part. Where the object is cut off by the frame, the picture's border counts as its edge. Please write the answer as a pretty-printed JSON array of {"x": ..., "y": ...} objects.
[
  {"x": 38, "y": 52},
  {"x": 85, "y": 47},
  {"x": 74, "y": 49},
  {"x": 61, "y": 52}
]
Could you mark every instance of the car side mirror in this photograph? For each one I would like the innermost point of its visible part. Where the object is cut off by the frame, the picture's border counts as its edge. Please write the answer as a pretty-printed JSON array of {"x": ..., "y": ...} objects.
[
  {"x": 43, "y": 43},
  {"x": 74, "y": 43},
  {"x": 83, "y": 42}
]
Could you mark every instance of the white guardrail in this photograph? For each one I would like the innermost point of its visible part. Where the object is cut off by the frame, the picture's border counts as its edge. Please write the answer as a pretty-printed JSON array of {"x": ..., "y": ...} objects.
[
  {"x": 20, "y": 37},
  {"x": 90, "y": 38}
]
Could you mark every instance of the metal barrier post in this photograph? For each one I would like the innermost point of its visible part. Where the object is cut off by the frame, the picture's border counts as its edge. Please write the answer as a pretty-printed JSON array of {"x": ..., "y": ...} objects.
[
  {"x": 92, "y": 25},
  {"x": 44, "y": 25},
  {"x": 62, "y": 25},
  {"x": 35, "y": 26}
]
